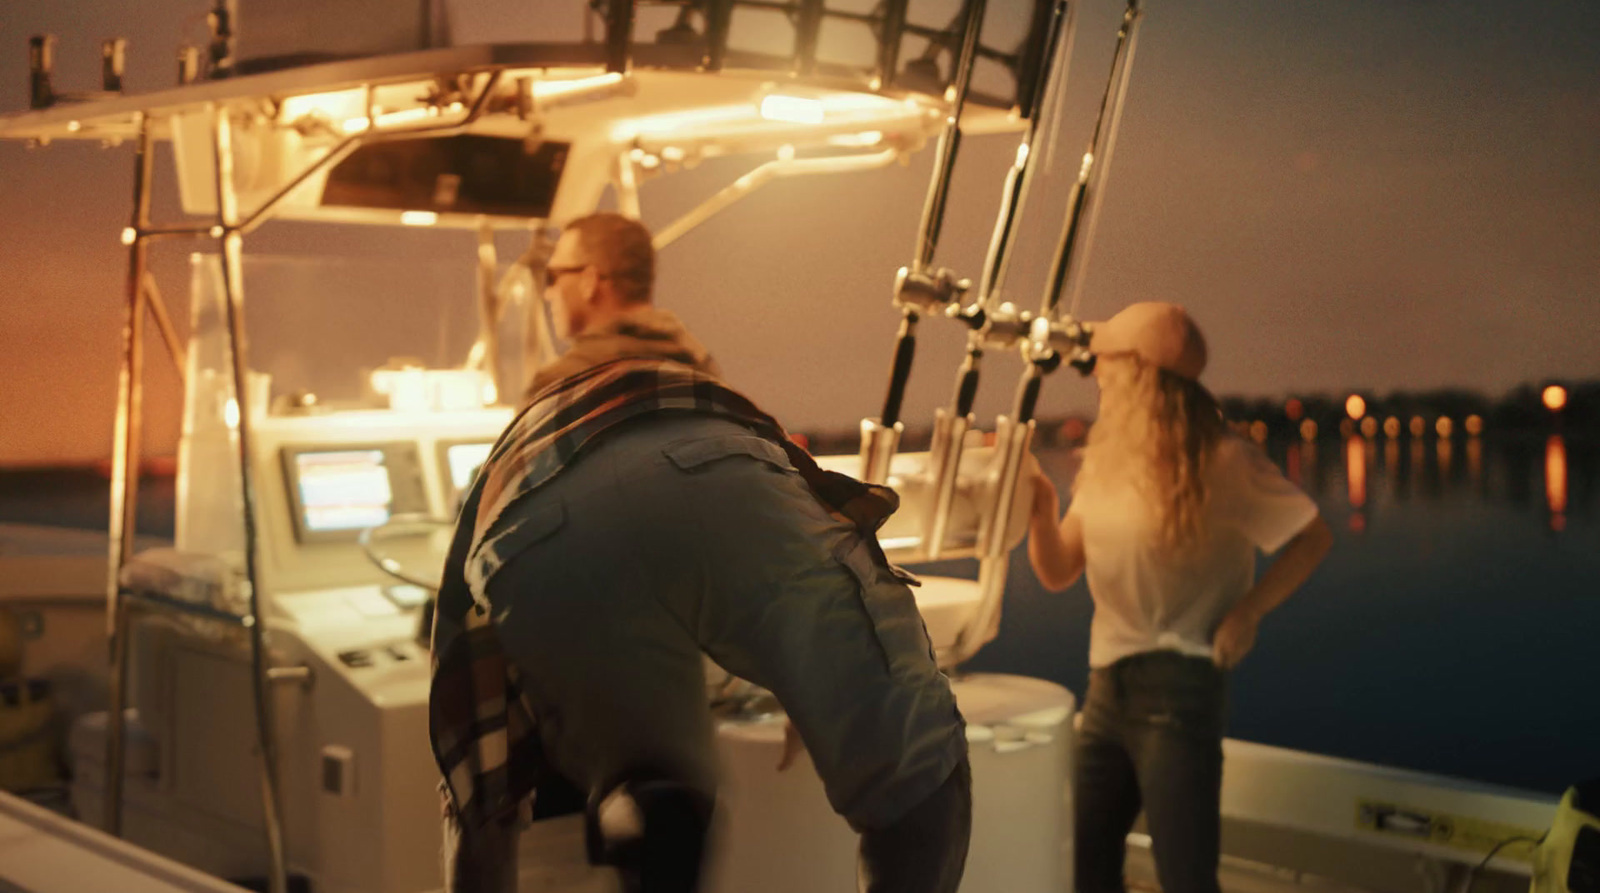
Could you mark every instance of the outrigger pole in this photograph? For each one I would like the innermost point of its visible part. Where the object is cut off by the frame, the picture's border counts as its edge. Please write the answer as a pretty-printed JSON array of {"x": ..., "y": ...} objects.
[
  {"x": 1047, "y": 339},
  {"x": 919, "y": 287}
]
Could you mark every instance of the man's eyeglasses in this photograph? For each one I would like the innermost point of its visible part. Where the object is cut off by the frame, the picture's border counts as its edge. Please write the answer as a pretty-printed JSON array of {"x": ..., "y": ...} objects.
[{"x": 551, "y": 274}]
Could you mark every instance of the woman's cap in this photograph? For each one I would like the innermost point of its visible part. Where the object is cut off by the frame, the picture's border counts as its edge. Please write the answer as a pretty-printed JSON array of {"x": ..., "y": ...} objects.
[{"x": 1161, "y": 334}]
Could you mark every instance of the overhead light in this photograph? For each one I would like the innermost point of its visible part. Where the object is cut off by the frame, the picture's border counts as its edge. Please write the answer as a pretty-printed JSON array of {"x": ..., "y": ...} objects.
[
  {"x": 545, "y": 90},
  {"x": 418, "y": 218},
  {"x": 864, "y": 138},
  {"x": 338, "y": 105},
  {"x": 793, "y": 109},
  {"x": 669, "y": 122},
  {"x": 403, "y": 116}
]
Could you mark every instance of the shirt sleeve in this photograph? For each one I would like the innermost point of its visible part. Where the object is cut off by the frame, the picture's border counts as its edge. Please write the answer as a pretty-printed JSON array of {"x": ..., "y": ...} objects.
[{"x": 1260, "y": 500}]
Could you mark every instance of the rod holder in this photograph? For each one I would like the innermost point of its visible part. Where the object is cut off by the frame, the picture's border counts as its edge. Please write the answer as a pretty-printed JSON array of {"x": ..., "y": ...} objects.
[
  {"x": 619, "y": 35},
  {"x": 1011, "y": 443},
  {"x": 224, "y": 40},
  {"x": 41, "y": 62},
  {"x": 188, "y": 65},
  {"x": 878, "y": 445},
  {"x": 984, "y": 624},
  {"x": 113, "y": 59},
  {"x": 944, "y": 460}
]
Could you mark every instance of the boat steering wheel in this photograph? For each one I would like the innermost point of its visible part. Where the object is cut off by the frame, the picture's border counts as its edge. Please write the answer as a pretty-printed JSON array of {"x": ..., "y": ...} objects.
[{"x": 372, "y": 539}]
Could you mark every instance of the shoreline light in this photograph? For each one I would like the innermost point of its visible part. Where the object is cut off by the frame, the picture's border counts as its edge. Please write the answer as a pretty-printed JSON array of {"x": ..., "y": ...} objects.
[
  {"x": 1555, "y": 398},
  {"x": 1355, "y": 406}
]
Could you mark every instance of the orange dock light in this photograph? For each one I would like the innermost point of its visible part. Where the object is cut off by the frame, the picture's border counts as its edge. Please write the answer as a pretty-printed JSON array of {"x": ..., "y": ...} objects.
[
  {"x": 1355, "y": 406},
  {"x": 1555, "y": 397}
]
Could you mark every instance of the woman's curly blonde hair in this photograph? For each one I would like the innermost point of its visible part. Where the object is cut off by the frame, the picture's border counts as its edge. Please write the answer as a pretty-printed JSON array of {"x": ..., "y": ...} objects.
[{"x": 1156, "y": 432}]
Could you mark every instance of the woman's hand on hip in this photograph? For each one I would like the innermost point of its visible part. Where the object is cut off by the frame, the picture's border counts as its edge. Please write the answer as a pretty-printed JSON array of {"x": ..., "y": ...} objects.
[{"x": 1234, "y": 638}]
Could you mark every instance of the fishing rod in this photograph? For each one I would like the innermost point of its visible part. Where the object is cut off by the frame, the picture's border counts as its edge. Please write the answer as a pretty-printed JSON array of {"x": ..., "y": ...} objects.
[
  {"x": 1081, "y": 207},
  {"x": 952, "y": 423},
  {"x": 919, "y": 288}
]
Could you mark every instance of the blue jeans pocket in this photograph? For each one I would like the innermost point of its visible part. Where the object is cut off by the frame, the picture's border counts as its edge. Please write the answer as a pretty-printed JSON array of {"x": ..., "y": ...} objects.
[
  {"x": 886, "y": 595},
  {"x": 695, "y": 453}
]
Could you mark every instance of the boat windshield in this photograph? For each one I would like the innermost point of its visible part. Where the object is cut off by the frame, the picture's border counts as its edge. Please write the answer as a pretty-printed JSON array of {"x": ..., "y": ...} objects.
[{"x": 319, "y": 328}]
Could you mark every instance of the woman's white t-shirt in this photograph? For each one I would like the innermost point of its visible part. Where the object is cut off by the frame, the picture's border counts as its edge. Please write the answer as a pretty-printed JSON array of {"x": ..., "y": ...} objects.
[{"x": 1149, "y": 597}]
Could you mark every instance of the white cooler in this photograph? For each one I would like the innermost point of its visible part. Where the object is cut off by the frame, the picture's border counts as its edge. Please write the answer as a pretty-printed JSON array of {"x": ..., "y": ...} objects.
[{"x": 777, "y": 834}]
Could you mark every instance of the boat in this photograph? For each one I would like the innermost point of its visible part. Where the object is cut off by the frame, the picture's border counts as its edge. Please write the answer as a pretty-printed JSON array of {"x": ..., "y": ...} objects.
[{"x": 266, "y": 691}]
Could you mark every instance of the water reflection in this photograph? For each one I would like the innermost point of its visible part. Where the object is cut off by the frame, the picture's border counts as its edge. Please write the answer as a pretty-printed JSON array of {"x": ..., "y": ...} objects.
[
  {"x": 1355, "y": 470},
  {"x": 1391, "y": 463},
  {"x": 1556, "y": 476},
  {"x": 1555, "y": 481},
  {"x": 1414, "y": 471}
]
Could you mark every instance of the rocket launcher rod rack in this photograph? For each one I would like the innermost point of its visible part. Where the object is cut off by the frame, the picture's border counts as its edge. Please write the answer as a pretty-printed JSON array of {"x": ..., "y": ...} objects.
[
  {"x": 1048, "y": 339},
  {"x": 952, "y": 423},
  {"x": 1043, "y": 338}
]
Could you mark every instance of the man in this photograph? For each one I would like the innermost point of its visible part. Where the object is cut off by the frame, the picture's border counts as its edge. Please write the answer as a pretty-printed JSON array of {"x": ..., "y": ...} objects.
[{"x": 636, "y": 514}]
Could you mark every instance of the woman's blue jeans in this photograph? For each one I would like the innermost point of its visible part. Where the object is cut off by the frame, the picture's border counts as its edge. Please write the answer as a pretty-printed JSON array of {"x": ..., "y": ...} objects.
[{"x": 1150, "y": 737}]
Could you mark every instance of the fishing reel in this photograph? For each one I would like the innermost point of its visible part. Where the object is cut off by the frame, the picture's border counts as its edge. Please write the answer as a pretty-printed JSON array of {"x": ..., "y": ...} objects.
[
  {"x": 1051, "y": 340},
  {"x": 1043, "y": 341},
  {"x": 935, "y": 293}
]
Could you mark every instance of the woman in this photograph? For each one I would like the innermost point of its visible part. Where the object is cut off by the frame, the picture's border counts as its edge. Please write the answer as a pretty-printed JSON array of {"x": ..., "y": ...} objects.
[{"x": 1166, "y": 515}]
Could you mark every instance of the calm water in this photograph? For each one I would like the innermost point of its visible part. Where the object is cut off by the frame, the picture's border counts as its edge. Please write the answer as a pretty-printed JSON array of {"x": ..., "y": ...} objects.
[{"x": 1454, "y": 628}]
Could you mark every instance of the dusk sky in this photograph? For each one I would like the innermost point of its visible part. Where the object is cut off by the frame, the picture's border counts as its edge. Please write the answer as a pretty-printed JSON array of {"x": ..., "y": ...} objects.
[{"x": 1375, "y": 194}]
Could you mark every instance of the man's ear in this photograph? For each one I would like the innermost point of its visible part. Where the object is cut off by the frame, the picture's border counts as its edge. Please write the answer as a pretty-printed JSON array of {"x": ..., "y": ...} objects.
[{"x": 592, "y": 285}]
